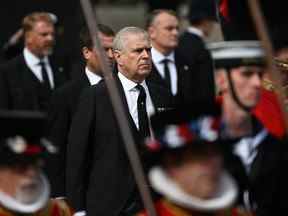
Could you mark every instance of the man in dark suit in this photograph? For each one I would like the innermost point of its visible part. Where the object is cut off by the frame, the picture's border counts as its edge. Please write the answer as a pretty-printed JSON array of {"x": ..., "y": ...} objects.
[
  {"x": 28, "y": 80},
  {"x": 170, "y": 68},
  {"x": 65, "y": 100},
  {"x": 99, "y": 177},
  {"x": 202, "y": 17}
]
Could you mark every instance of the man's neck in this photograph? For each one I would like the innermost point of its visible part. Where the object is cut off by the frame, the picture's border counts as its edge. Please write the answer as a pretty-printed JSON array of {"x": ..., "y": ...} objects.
[
  {"x": 162, "y": 50},
  {"x": 133, "y": 79},
  {"x": 238, "y": 121},
  {"x": 34, "y": 53},
  {"x": 97, "y": 72}
]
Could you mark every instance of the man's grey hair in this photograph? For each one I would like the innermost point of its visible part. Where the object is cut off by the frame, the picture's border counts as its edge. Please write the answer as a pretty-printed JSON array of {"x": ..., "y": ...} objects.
[{"x": 119, "y": 42}]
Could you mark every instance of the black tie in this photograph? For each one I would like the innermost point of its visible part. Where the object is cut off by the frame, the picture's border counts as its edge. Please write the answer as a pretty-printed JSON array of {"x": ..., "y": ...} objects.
[
  {"x": 44, "y": 73},
  {"x": 142, "y": 113},
  {"x": 167, "y": 77}
]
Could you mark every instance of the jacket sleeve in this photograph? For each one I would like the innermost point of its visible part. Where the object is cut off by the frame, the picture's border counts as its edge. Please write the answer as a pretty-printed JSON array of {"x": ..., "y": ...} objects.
[
  {"x": 80, "y": 139},
  {"x": 59, "y": 121}
]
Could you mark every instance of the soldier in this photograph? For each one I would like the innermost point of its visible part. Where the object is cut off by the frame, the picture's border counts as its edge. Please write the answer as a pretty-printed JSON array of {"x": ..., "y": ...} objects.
[
  {"x": 240, "y": 66},
  {"x": 187, "y": 170},
  {"x": 24, "y": 189}
]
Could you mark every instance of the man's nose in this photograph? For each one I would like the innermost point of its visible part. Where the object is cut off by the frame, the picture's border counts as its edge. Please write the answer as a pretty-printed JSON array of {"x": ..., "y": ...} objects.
[
  {"x": 110, "y": 54},
  {"x": 50, "y": 37},
  {"x": 146, "y": 53},
  {"x": 175, "y": 31},
  {"x": 30, "y": 171},
  {"x": 257, "y": 80}
]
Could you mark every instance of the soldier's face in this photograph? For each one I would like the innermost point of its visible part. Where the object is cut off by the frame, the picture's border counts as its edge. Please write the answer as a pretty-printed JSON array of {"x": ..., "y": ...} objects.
[
  {"x": 247, "y": 82},
  {"x": 40, "y": 40},
  {"x": 164, "y": 32},
  {"x": 21, "y": 182},
  {"x": 198, "y": 176}
]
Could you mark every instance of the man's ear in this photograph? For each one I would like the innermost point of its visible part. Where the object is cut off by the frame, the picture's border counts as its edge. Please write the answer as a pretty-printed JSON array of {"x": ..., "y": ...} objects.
[
  {"x": 85, "y": 52},
  {"x": 151, "y": 32},
  {"x": 221, "y": 80},
  {"x": 117, "y": 56}
]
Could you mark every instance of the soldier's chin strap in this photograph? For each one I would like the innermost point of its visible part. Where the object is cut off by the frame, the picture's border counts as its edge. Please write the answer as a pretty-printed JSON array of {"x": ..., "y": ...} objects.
[{"x": 234, "y": 94}]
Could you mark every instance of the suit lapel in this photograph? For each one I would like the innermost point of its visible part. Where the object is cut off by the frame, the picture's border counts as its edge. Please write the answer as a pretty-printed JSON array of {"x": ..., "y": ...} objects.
[
  {"x": 155, "y": 76},
  {"x": 29, "y": 82},
  {"x": 182, "y": 70},
  {"x": 161, "y": 97},
  {"x": 125, "y": 104},
  {"x": 57, "y": 73}
]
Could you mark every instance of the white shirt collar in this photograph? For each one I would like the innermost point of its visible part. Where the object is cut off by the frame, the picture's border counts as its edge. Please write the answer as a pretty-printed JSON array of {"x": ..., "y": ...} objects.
[
  {"x": 92, "y": 77},
  {"x": 127, "y": 84},
  {"x": 196, "y": 31},
  {"x": 157, "y": 57},
  {"x": 31, "y": 59}
]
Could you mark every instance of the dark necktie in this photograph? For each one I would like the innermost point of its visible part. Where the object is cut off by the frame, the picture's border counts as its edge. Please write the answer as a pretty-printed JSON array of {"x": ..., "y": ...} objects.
[
  {"x": 167, "y": 77},
  {"x": 142, "y": 113},
  {"x": 44, "y": 73}
]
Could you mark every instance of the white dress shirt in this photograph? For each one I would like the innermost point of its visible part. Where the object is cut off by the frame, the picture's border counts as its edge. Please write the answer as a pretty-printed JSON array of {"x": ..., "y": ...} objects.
[
  {"x": 195, "y": 31},
  {"x": 131, "y": 94},
  {"x": 32, "y": 62},
  {"x": 157, "y": 59},
  {"x": 92, "y": 77},
  {"x": 247, "y": 148}
]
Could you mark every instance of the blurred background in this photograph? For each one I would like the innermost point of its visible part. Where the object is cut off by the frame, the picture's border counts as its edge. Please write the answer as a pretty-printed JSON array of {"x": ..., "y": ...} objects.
[{"x": 115, "y": 13}]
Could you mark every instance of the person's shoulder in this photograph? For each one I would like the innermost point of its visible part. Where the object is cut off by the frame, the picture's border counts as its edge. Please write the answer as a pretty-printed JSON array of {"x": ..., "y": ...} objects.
[
  {"x": 190, "y": 37},
  {"x": 57, "y": 207},
  {"x": 68, "y": 87},
  {"x": 158, "y": 88},
  {"x": 7, "y": 66}
]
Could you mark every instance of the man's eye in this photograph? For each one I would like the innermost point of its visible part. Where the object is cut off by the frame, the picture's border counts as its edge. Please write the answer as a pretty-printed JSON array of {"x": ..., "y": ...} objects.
[
  {"x": 148, "y": 49},
  {"x": 139, "y": 50}
]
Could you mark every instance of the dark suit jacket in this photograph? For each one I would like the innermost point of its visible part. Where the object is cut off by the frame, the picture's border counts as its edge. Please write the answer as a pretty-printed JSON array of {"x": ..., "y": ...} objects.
[
  {"x": 264, "y": 181},
  {"x": 21, "y": 90},
  {"x": 200, "y": 85},
  {"x": 63, "y": 104},
  {"x": 99, "y": 177}
]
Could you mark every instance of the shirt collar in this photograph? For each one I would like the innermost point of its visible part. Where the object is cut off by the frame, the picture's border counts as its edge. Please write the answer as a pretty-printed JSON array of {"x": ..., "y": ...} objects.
[
  {"x": 127, "y": 84},
  {"x": 195, "y": 31},
  {"x": 157, "y": 57},
  {"x": 92, "y": 77},
  {"x": 32, "y": 59}
]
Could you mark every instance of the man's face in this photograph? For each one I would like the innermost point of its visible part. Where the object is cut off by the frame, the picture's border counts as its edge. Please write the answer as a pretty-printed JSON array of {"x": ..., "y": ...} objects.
[
  {"x": 107, "y": 43},
  {"x": 20, "y": 182},
  {"x": 92, "y": 56},
  {"x": 164, "y": 32},
  {"x": 198, "y": 177},
  {"x": 247, "y": 84},
  {"x": 134, "y": 61},
  {"x": 40, "y": 40}
]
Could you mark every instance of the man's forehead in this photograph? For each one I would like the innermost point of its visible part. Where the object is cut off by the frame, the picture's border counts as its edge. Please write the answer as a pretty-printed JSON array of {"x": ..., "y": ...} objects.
[
  {"x": 105, "y": 38},
  {"x": 164, "y": 17},
  {"x": 41, "y": 24},
  {"x": 137, "y": 41},
  {"x": 251, "y": 68}
]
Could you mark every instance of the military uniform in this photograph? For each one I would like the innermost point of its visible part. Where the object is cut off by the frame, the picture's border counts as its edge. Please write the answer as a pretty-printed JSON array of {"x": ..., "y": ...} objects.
[
  {"x": 167, "y": 208},
  {"x": 22, "y": 150},
  {"x": 55, "y": 207}
]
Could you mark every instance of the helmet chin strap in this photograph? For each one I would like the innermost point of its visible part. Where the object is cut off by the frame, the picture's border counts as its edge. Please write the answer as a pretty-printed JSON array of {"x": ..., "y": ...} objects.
[{"x": 234, "y": 95}]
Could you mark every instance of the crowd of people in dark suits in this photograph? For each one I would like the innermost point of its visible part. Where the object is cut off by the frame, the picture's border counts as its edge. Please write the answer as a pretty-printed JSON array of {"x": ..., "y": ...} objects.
[{"x": 195, "y": 112}]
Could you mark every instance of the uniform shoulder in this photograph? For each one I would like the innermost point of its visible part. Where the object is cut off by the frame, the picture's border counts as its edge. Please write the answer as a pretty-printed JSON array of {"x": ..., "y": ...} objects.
[{"x": 56, "y": 207}]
